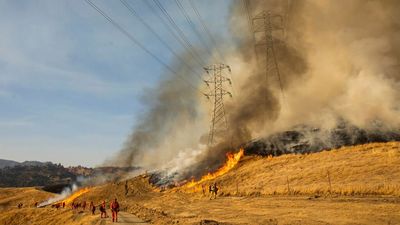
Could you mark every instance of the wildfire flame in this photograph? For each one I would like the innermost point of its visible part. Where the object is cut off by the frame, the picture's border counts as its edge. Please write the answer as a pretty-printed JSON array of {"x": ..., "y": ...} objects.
[
  {"x": 75, "y": 195},
  {"x": 232, "y": 160}
]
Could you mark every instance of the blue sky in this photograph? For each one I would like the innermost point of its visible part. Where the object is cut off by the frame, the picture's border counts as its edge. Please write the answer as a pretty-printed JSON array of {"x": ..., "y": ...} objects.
[{"x": 71, "y": 84}]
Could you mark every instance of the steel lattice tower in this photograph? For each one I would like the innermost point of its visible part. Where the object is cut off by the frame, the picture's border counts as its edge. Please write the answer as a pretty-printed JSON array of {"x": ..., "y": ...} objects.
[
  {"x": 217, "y": 79},
  {"x": 267, "y": 28}
]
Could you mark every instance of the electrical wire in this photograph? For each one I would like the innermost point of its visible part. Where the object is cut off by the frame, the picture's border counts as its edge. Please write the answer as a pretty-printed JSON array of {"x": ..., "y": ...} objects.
[
  {"x": 135, "y": 14},
  {"x": 179, "y": 31},
  {"x": 134, "y": 40}
]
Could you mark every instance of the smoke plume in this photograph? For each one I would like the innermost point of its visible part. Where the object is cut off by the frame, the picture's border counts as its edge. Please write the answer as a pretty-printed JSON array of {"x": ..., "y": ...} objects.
[
  {"x": 172, "y": 124},
  {"x": 67, "y": 191},
  {"x": 339, "y": 64}
]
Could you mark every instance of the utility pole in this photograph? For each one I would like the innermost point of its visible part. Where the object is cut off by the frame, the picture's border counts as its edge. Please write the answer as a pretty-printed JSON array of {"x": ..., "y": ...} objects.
[
  {"x": 219, "y": 123},
  {"x": 266, "y": 24}
]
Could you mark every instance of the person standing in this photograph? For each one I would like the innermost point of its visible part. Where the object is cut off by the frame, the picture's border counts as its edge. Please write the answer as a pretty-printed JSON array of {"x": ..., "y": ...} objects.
[
  {"x": 114, "y": 210},
  {"x": 103, "y": 210},
  {"x": 92, "y": 207},
  {"x": 213, "y": 189}
]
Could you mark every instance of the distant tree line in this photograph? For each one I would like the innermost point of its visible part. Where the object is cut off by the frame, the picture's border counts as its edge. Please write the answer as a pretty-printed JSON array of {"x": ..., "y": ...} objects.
[{"x": 35, "y": 175}]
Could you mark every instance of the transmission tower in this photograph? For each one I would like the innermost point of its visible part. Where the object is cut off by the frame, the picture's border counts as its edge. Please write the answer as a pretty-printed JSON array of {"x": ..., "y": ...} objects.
[
  {"x": 266, "y": 24},
  {"x": 219, "y": 124}
]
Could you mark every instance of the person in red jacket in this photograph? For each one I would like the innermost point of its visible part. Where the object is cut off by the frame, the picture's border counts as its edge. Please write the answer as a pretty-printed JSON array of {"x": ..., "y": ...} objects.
[{"x": 114, "y": 209}]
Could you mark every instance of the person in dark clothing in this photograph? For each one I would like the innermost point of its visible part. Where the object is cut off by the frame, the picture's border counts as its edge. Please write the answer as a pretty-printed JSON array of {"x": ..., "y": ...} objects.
[
  {"x": 213, "y": 189},
  {"x": 92, "y": 207},
  {"x": 103, "y": 210}
]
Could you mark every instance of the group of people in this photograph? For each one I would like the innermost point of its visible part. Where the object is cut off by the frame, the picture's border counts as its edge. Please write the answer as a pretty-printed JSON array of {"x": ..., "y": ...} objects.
[
  {"x": 114, "y": 206},
  {"x": 77, "y": 205},
  {"x": 20, "y": 205},
  {"x": 57, "y": 205},
  {"x": 212, "y": 190}
]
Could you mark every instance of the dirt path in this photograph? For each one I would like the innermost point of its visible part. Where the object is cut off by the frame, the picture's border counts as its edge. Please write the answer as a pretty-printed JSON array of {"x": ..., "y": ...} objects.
[
  {"x": 126, "y": 218},
  {"x": 311, "y": 210}
]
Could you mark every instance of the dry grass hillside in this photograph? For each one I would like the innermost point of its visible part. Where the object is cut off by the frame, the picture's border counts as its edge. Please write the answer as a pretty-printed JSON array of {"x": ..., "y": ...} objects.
[
  {"x": 29, "y": 214},
  {"x": 370, "y": 169},
  {"x": 362, "y": 188},
  {"x": 11, "y": 197},
  {"x": 46, "y": 216}
]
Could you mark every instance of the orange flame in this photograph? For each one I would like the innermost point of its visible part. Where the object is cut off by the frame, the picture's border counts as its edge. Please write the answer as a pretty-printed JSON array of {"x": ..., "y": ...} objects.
[
  {"x": 232, "y": 160},
  {"x": 75, "y": 195}
]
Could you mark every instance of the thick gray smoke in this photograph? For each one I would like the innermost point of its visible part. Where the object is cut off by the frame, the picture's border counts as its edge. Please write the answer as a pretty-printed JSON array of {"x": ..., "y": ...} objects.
[
  {"x": 339, "y": 64},
  {"x": 170, "y": 127}
]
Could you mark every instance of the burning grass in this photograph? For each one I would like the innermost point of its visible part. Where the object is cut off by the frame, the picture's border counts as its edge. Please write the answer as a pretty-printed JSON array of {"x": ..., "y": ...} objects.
[
  {"x": 231, "y": 161},
  {"x": 67, "y": 196},
  {"x": 75, "y": 195},
  {"x": 370, "y": 169}
]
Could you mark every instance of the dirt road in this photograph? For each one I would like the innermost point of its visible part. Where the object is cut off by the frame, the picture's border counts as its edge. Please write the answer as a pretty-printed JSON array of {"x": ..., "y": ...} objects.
[
  {"x": 127, "y": 219},
  {"x": 279, "y": 209}
]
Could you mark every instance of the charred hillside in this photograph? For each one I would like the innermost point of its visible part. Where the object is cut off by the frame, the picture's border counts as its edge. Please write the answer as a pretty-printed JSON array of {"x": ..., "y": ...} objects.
[{"x": 306, "y": 140}]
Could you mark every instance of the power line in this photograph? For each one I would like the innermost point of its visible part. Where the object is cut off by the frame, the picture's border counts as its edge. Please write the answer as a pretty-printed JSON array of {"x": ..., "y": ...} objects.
[
  {"x": 206, "y": 30},
  {"x": 210, "y": 36},
  {"x": 176, "y": 36},
  {"x": 134, "y": 13},
  {"x": 193, "y": 26},
  {"x": 177, "y": 29},
  {"x": 247, "y": 10},
  {"x": 134, "y": 40}
]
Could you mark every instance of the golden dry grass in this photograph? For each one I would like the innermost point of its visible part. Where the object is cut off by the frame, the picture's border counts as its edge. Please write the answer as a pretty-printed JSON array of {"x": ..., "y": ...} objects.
[
  {"x": 255, "y": 192},
  {"x": 370, "y": 169},
  {"x": 364, "y": 190},
  {"x": 10, "y": 197},
  {"x": 28, "y": 214},
  {"x": 45, "y": 216}
]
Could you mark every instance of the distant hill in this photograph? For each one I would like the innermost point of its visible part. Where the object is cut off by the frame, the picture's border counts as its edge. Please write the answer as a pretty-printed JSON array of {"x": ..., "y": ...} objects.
[
  {"x": 53, "y": 177},
  {"x": 34, "y": 174},
  {"x": 5, "y": 163},
  {"x": 10, "y": 163},
  {"x": 35, "y": 163}
]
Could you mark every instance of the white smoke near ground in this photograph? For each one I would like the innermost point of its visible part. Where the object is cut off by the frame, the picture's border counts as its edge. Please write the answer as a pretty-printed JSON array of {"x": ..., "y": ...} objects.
[
  {"x": 182, "y": 161},
  {"x": 67, "y": 191}
]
